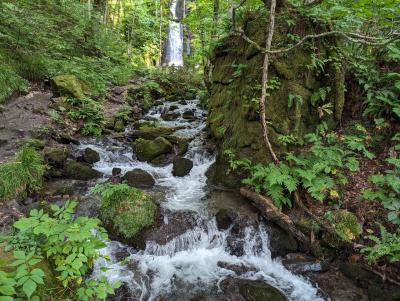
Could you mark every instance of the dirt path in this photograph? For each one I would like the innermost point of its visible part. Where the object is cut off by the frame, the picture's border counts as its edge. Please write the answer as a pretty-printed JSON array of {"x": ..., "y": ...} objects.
[{"x": 20, "y": 116}]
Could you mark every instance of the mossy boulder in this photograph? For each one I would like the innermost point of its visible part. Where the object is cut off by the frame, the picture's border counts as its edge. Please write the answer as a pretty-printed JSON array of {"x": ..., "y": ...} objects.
[
  {"x": 90, "y": 156},
  {"x": 259, "y": 291},
  {"x": 151, "y": 133},
  {"x": 147, "y": 150},
  {"x": 139, "y": 178},
  {"x": 70, "y": 85},
  {"x": 80, "y": 171},
  {"x": 56, "y": 156},
  {"x": 181, "y": 166},
  {"x": 345, "y": 224},
  {"x": 125, "y": 210},
  {"x": 119, "y": 126}
]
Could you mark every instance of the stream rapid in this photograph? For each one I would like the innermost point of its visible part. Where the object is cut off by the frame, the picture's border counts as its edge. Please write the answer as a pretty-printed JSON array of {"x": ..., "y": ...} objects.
[{"x": 189, "y": 264}]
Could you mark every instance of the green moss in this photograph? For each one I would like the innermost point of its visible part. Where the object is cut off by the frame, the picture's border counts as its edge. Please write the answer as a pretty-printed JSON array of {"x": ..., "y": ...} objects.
[
  {"x": 119, "y": 126},
  {"x": 126, "y": 210},
  {"x": 79, "y": 171},
  {"x": 346, "y": 224},
  {"x": 146, "y": 150},
  {"x": 258, "y": 291},
  {"x": 56, "y": 156},
  {"x": 151, "y": 133},
  {"x": 70, "y": 85}
]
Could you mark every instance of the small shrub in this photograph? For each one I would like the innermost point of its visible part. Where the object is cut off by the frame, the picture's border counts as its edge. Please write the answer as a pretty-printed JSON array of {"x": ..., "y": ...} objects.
[
  {"x": 345, "y": 224},
  {"x": 128, "y": 210},
  {"x": 23, "y": 175}
]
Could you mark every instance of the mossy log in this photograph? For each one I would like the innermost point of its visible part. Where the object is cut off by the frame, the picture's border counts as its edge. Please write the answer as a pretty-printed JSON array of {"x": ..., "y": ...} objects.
[{"x": 273, "y": 214}]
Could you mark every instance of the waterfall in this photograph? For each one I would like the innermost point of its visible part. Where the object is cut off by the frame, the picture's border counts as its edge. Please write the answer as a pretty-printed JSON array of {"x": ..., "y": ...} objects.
[{"x": 174, "y": 47}]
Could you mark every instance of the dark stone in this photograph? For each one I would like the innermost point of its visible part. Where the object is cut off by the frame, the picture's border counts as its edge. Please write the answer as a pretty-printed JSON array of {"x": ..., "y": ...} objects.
[
  {"x": 80, "y": 171},
  {"x": 173, "y": 108},
  {"x": 188, "y": 115},
  {"x": 91, "y": 156},
  {"x": 147, "y": 150},
  {"x": 56, "y": 156},
  {"x": 116, "y": 171},
  {"x": 224, "y": 219},
  {"x": 170, "y": 116},
  {"x": 181, "y": 166},
  {"x": 239, "y": 269},
  {"x": 139, "y": 178},
  {"x": 281, "y": 243},
  {"x": 260, "y": 291},
  {"x": 301, "y": 263}
]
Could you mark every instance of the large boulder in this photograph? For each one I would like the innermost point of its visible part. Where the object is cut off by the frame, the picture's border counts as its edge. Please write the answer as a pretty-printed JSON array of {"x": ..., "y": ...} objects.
[
  {"x": 259, "y": 291},
  {"x": 150, "y": 133},
  {"x": 70, "y": 85},
  {"x": 139, "y": 178},
  {"x": 90, "y": 156},
  {"x": 146, "y": 150},
  {"x": 80, "y": 171},
  {"x": 181, "y": 166},
  {"x": 56, "y": 157}
]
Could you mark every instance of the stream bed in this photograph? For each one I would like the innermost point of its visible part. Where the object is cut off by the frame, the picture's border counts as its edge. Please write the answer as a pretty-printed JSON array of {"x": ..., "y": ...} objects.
[{"x": 192, "y": 257}]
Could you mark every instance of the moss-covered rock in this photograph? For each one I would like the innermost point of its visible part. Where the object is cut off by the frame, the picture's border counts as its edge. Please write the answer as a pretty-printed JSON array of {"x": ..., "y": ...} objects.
[
  {"x": 119, "y": 126},
  {"x": 56, "y": 156},
  {"x": 151, "y": 133},
  {"x": 126, "y": 211},
  {"x": 90, "y": 156},
  {"x": 80, "y": 171},
  {"x": 259, "y": 291},
  {"x": 345, "y": 224},
  {"x": 146, "y": 150},
  {"x": 70, "y": 85}
]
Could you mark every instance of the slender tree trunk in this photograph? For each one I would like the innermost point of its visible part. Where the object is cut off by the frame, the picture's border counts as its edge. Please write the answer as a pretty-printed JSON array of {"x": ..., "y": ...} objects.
[
  {"x": 270, "y": 35},
  {"x": 214, "y": 32}
]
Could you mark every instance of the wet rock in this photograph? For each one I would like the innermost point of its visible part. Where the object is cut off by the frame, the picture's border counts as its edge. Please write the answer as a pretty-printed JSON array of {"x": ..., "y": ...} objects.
[
  {"x": 181, "y": 145},
  {"x": 60, "y": 187},
  {"x": 281, "y": 243},
  {"x": 181, "y": 166},
  {"x": 173, "y": 107},
  {"x": 80, "y": 171},
  {"x": 189, "y": 115},
  {"x": 163, "y": 160},
  {"x": 70, "y": 85},
  {"x": 225, "y": 219},
  {"x": 116, "y": 171},
  {"x": 250, "y": 290},
  {"x": 170, "y": 116},
  {"x": 151, "y": 133},
  {"x": 56, "y": 156},
  {"x": 147, "y": 150},
  {"x": 10, "y": 212},
  {"x": 301, "y": 263},
  {"x": 139, "y": 178},
  {"x": 183, "y": 102},
  {"x": 259, "y": 291},
  {"x": 90, "y": 156},
  {"x": 239, "y": 269}
]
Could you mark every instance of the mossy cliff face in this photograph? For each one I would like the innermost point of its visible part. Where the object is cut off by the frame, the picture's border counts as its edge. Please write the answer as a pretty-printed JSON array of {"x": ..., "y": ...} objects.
[{"x": 236, "y": 87}]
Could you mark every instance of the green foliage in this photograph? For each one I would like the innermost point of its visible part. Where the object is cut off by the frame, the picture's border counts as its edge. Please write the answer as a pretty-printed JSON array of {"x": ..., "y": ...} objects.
[
  {"x": 72, "y": 246},
  {"x": 127, "y": 209},
  {"x": 319, "y": 170},
  {"x": 296, "y": 100},
  {"x": 387, "y": 246},
  {"x": 387, "y": 190},
  {"x": 23, "y": 175},
  {"x": 90, "y": 112},
  {"x": 345, "y": 223},
  {"x": 23, "y": 283},
  {"x": 66, "y": 40}
]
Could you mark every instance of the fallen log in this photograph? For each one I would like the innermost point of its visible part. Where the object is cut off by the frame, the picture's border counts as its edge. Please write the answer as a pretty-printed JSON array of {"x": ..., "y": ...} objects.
[{"x": 270, "y": 212}]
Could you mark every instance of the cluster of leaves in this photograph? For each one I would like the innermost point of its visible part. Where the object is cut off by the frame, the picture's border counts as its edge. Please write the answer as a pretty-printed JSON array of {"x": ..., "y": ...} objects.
[
  {"x": 71, "y": 245},
  {"x": 22, "y": 283},
  {"x": 23, "y": 175},
  {"x": 90, "y": 112},
  {"x": 319, "y": 169},
  {"x": 127, "y": 209},
  {"x": 68, "y": 40},
  {"x": 388, "y": 245}
]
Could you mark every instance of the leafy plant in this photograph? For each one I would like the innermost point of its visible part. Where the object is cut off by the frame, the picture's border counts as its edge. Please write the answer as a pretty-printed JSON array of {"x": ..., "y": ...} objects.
[
  {"x": 22, "y": 284},
  {"x": 23, "y": 175},
  {"x": 388, "y": 245},
  {"x": 388, "y": 190}
]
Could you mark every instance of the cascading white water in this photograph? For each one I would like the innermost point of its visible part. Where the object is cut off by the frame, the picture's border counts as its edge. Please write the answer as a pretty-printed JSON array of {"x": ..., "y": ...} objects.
[
  {"x": 190, "y": 263},
  {"x": 175, "y": 38}
]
